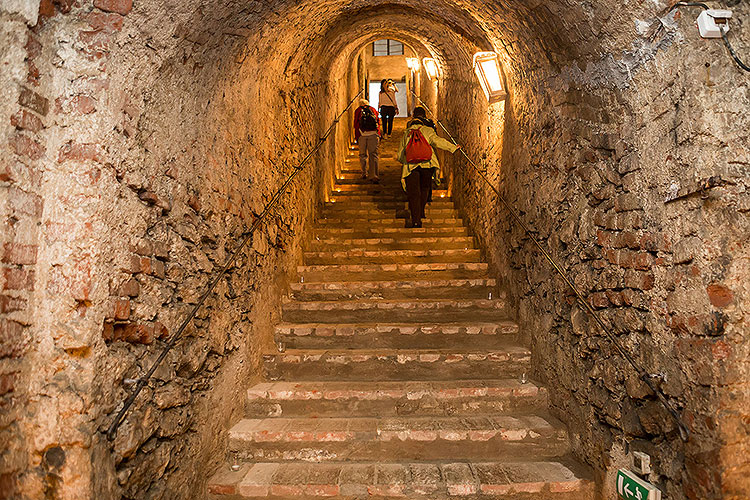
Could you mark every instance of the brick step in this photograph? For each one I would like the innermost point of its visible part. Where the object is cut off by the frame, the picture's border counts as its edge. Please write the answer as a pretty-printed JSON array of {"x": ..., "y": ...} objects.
[
  {"x": 398, "y": 438},
  {"x": 403, "y": 243},
  {"x": 408, "y": 310},
  {"x": 350, "y": 210},
  {"x": 360, "y": 222},
  {"x": 550, "y": 480},
  {"x": 398, "y": 232},
  {"x": 364, "y": 256},
  {"x": 435, "y": 270},
  {"x": 381, "y": 399},
  {"x": 338, "y": 195},
  {"x": 369, "y": 188},
  {"x": 389, "y": 181},
  {"x": 478, "y": 288},
  {"x": 396, "y": 336},
  {"x": 342, "y": 203},
  {"x": 396, "y": 364}
]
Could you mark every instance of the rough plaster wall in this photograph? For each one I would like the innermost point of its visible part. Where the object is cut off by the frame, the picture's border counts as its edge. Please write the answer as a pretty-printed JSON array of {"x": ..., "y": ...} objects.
[
  {"x": 590, "y": 149},
  {"x": 170, "y": 123}
]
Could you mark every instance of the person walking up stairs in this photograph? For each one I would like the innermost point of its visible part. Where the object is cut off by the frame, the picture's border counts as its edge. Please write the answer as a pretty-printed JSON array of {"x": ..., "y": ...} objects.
[{"x": 399, "y": 373}]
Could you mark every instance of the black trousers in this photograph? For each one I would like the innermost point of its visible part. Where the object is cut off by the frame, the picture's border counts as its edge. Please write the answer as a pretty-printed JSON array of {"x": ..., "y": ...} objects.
[
  {"x": 387, "y": 113},
  {"x": 418, "y": 188}
]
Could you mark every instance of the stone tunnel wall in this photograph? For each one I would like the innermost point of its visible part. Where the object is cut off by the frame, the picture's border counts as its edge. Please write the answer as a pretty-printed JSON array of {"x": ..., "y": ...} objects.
[
  {"x": 142, "y": 135},
  {"x": 588, "y": 151},
  {"x": 137, "y": 162}
]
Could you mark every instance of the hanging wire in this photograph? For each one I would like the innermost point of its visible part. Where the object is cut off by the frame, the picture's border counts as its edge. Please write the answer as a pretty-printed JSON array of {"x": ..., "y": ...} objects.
[
  {"x": 723, "y": 32},
  {"x": 642, "y": 374},
  {"x": 143, "y": 381}
]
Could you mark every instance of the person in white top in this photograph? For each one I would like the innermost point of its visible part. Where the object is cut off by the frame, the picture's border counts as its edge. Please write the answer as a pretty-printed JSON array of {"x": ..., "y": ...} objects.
[{"x": 387, "y": 105}]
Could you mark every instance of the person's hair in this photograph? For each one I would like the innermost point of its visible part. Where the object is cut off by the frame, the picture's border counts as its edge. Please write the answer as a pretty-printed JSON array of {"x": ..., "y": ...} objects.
[
  {"x": 383, "y": 85},
  {"x": 419, "y": 112}
]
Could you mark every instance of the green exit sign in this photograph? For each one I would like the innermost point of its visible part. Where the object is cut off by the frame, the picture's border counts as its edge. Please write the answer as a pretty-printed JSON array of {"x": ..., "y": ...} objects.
[{"x": 631, "y": 487}]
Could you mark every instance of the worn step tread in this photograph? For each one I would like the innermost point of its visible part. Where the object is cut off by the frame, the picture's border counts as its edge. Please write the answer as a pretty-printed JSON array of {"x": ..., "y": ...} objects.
[
  {"x": 394, "y": 304},
  {"x": 436, "y": 480},
  {"x": 379, "y": 284}
]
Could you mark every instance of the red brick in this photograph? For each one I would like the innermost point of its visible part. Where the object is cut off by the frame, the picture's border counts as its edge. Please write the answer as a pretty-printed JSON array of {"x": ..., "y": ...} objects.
[
  {"x": 614, "y": 297},
  {"x": 719, "y": 295},
  {"x": 108, "y": 331},
  {"x": 95, "y": 43},
  {"x": 46, "y": 8},
  {"x": 79, "y": 152},
  {"x": 7, "y": 383},
  {"x": 122, "y": 7},
  {"x": 109, "y": 23},
  {"x": 18, "y": 279},
  {"x": 160, "y": 331},
  {"x": 11, "y": 338},
  {"x": 11, "y": 304},
  {"x": 24, "y": 203},
  {"x": 26, "y": 146},
  {"x": 643, "y": 261},
  {"x": 15, "y": 253},
  {"x": 134, "y": 332},
  {"x": 157, "y": 268},
  {"x": 603, "y": 238},
  {"x": 599, "y": 300},
  {"x": 194, "y": 202},
  {"x": 145, "y": 265},
  {"x": 121, "y": 309},
  {"x": 26, "y": 121},
  {"x": 33, "y": 101},
  {"x": 80, "y": 104},
  {"x": 130, "y": 288}
]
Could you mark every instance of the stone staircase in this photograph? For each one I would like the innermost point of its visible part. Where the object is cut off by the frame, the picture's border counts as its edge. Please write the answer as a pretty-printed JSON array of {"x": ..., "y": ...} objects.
[{"x": 399, "y": 376}]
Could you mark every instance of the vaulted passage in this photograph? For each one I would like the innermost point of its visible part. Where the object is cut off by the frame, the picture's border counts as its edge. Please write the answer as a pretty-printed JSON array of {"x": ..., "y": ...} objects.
[{"x": 343, "y": 354}]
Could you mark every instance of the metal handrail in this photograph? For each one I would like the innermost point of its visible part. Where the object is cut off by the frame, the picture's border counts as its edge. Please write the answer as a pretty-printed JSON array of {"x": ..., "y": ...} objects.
[
  {"x": 245, "y": 239},
  {"x": 642, "y": 374}
]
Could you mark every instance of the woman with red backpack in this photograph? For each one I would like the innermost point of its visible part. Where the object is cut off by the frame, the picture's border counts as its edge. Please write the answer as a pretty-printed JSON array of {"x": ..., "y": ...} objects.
[{"x": 420, "y": 163}]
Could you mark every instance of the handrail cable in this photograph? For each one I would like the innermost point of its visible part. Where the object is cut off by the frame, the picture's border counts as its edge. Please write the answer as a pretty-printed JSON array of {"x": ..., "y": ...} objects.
[
  {"x": 245, "y": 239},
  {"x": 643, "y": 375}
]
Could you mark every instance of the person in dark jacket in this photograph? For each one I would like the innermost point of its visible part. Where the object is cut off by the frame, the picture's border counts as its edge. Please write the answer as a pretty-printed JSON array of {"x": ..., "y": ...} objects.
[{"x": 367, "y": 134}]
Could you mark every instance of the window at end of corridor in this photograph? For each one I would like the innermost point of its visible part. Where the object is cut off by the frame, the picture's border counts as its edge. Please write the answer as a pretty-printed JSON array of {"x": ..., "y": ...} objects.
[{"x": 387, "y": 48}]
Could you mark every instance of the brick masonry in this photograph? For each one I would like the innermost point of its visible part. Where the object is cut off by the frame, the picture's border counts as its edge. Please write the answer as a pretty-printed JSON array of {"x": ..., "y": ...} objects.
[{"x": 135, "y": 138}]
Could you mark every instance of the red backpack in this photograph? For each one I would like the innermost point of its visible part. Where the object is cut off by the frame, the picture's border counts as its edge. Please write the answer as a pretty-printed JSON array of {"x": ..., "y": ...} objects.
[{"x": 417, "y": 149}]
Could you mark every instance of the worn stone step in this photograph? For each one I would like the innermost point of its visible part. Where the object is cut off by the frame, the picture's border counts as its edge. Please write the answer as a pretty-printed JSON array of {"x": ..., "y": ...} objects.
[
  {"x": 369, "y": 188},
  {"x": 352, "y": 210},
  {"x": 408, "y": 310},
  {"x": 477, "y": 288},
  {"x": 478, "y": 437},
  {"x": 434, "y": 270},
  {"x": 365, "y": 256},
  {"x": 536, "y": 480},
  {"x": 397, "y": 232},
  {"x": 360, "y": 222},
  {"x": 396, "y": 364},
  {"x": 368, "y": 202},
  {"x": 380, "y": 399},
  {"x": 396, "y": 336},
  {"x": 404, "y": 243}
]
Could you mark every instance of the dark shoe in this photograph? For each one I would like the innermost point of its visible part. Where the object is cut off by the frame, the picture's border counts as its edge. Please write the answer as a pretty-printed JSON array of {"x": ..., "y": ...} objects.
[
  {"x": 417, "y": 224},
  {"x": 375, "y": 181},
  {"x": 364, "y": 176}
]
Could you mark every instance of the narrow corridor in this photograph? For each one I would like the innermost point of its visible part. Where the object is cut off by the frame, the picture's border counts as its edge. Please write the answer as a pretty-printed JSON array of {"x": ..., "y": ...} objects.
[{"x": 376, "y": 393}]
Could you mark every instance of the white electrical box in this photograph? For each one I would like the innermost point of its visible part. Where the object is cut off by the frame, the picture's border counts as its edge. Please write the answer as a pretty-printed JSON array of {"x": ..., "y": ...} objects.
[{"x": 711, "y": 21}]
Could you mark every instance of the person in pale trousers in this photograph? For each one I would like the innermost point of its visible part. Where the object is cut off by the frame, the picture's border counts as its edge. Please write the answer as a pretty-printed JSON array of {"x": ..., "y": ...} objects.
[{"x": 367, "y": 133}]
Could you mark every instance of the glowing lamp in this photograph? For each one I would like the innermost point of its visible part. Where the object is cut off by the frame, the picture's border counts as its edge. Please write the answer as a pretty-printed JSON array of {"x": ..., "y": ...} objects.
[
  {"x": 412, "y": 63},
  {"x": 487, "y": 68},
  {"x": 430, "y": 67}
]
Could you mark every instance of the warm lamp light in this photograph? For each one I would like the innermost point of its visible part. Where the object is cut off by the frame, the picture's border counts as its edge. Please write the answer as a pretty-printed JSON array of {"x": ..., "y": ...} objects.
[
  {"x": 487, "y": 68},
  {"x": 430, "y": 67},
  {"x": 412, "y": 63}
]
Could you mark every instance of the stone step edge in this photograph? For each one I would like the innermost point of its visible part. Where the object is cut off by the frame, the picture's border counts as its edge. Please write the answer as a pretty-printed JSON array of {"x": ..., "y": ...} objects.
[
  {"x": 385, "y": 390},
  {"x": 394, "y": 429},
  {"x": 333, "y": 286},
  {"x": 394, "y": 304},
  {"x": 460, "y": 478},
  {"x": 407, "y": 266},
  {"x": 349, "y": 329},
  {"x": 404, "y": 252}
]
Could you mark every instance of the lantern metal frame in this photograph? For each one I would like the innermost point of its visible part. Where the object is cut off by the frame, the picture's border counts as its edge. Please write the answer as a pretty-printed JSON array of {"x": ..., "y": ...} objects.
[
  {"x": 481, "y": 58},
  {"x": 429, "y": 62}
]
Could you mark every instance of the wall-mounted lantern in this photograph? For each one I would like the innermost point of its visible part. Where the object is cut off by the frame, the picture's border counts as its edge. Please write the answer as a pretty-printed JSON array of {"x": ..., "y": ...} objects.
[
  {"x": 430, "y": 67},
  {"x": 487, "y": 68},
  {"x": 412, "y": 63}
]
